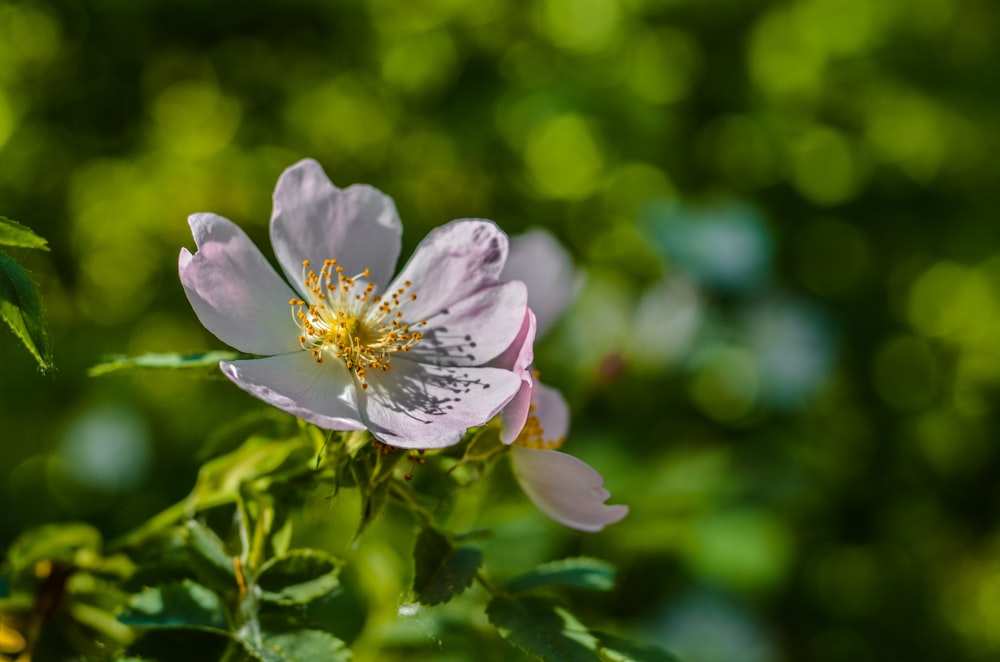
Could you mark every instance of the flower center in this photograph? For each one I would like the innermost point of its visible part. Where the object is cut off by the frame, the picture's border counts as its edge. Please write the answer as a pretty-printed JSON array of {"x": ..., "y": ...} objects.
[
  {"x": 345, "y": 319},
  {"x": 533, "y": 434}
]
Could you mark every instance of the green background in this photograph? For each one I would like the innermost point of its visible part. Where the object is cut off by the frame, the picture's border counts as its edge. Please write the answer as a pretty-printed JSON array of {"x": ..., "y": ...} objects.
[{"x": 784, "y": 355}]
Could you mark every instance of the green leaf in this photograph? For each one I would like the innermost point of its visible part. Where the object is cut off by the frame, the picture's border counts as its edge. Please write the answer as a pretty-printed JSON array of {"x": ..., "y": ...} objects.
[
  {"x": 220, "y": 478},
  {"x": 297, "y": 646},
  {"x": 441, "y": 570},
  {"x": 615, "y": 649},
  {"x": 13, "y": 233},
  {"x": 52, "y": 542},
  {"x": 212, "y": 561},
  {"x": 183, "y": 605},
  {"x": 21, "y": 309},
  {"x": 370, "y": 472},
  {"x": 298, "y": 577},
  {"x": 170, "y": 361},
  {"x": 582, "y": 572},
  {"x": 541, "y": 629}
]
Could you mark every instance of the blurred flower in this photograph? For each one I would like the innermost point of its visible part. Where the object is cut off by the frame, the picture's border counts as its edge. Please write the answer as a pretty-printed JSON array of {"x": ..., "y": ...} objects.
[
  {"x": 727, "y": 246},
  {"x": 536, "y": 421},
  {"x": 405, "y": 360}
]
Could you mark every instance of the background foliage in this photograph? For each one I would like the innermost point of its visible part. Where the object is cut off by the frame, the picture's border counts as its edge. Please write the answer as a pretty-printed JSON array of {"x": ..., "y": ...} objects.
[{"x": 783, "y": 358}]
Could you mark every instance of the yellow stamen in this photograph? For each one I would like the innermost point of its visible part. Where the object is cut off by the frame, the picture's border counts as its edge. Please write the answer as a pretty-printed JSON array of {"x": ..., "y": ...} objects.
[{"x": 351, "y": 323}]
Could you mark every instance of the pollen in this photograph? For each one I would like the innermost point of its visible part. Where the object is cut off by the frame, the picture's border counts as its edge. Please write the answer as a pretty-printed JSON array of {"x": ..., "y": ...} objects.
[
  {"x": 533, "y": 434},
  {"x": 345, "y": 319}
]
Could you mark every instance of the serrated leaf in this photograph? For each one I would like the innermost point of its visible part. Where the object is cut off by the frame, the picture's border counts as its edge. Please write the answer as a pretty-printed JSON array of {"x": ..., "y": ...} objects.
[
  {"x": 616, "y": 649},
  {"x": 582, "y": 572},
  {"x": 183, "y": 605},
  {"x": 13, "y": 233},
  {"x": 298, "y": 577},
  {"x": 169, "y": 361},
  {"x": 541, "y": 629},
  {"x": 297, "y": 646},
  {"x": 21, "y": 309},
  {"x": 441, "y": 570},
  {"x": 211, "y": 560}
]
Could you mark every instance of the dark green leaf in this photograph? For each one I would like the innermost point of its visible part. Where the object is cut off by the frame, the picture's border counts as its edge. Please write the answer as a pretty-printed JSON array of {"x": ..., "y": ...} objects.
[
  {"x": 441, "y": 570},
  {"x": 615, "y": 649},
  {"x": 184, "y": 605},
  {"x": 298, "y": 577},
  {"x": 582, "y": 572},
  {"x": 296, "y": 646},
  {"x": 541, "y": 629},
  {"x": 164, "y": 361},
  {"x": 21, "y": 309},
  {"x": 13, "y": 233},
  {"x": 367, "y": 470}
]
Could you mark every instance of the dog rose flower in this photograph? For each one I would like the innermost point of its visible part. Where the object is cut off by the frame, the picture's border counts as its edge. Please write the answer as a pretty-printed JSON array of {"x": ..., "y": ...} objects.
[{"x": 345, "y": 347}]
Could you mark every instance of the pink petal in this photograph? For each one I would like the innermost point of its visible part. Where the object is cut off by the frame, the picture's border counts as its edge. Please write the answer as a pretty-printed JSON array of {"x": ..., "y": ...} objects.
[
  {"x": 316, "y": 221},
  {"x": 418, "y": 405},
  {"x": 565, "y": 488},
  {"x": 453, "y": 262},
  {"x": 551, "y": 410},
  {"x": 474, "y": 329},
  {"x": 515, "y": 414},
  {"x": 538, "y": 260},
  {"x": 520, "y": 353},
  {"x": 518, "y": 358},
  {"x": 235, "y": 293},
  {"x": 321, "y": 393}
]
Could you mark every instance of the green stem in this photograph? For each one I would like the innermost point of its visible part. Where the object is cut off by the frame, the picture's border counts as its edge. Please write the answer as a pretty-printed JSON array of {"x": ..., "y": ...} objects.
[{"x": 401, "y": 493}]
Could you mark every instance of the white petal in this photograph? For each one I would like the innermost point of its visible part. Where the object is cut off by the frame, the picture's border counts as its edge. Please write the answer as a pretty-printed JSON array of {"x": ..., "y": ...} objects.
[
  {"x": 418, "y": 405},
  {"x": 316, "y": 221},
  {"x": 451, "y": 263},
  {"x": 538, "y": 260},
  {"x": 235, "y": 293},
  {"x": 475, "y": 329},
  {"x": 321, "y": 393},
  {"x": 565, "y": 488}
]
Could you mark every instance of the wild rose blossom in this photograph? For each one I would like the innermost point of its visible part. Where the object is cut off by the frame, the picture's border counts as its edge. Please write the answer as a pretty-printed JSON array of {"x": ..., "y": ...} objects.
[
  {"x": 536, "y": 421},
  {"x": 345, "y": 348}
]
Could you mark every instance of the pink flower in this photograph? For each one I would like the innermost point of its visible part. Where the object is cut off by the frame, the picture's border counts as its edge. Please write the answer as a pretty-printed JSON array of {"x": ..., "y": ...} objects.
[
  {"x": 345, "y": 348},
  {"x": 537, "y": 419}
]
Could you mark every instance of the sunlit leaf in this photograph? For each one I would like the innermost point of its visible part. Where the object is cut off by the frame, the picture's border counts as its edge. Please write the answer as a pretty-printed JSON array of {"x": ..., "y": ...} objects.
[
  {"x": 297, "y": 646},
  {"x": 220, "y": 478},
  {"x": 170, "y": 361},
  {"x": 541, "y": 629},
  {"x": 442, "y": 570},
  {"x": 52, "y": 542},
  {"x": 582, "y": 572},
  {"x": 616, "y": 649},
  {"x": 298, "y": 577},
  {"x": 21, "y": 309},
  {"x": 13, "y": 233},
  {"x": 183, "y": 605}
]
